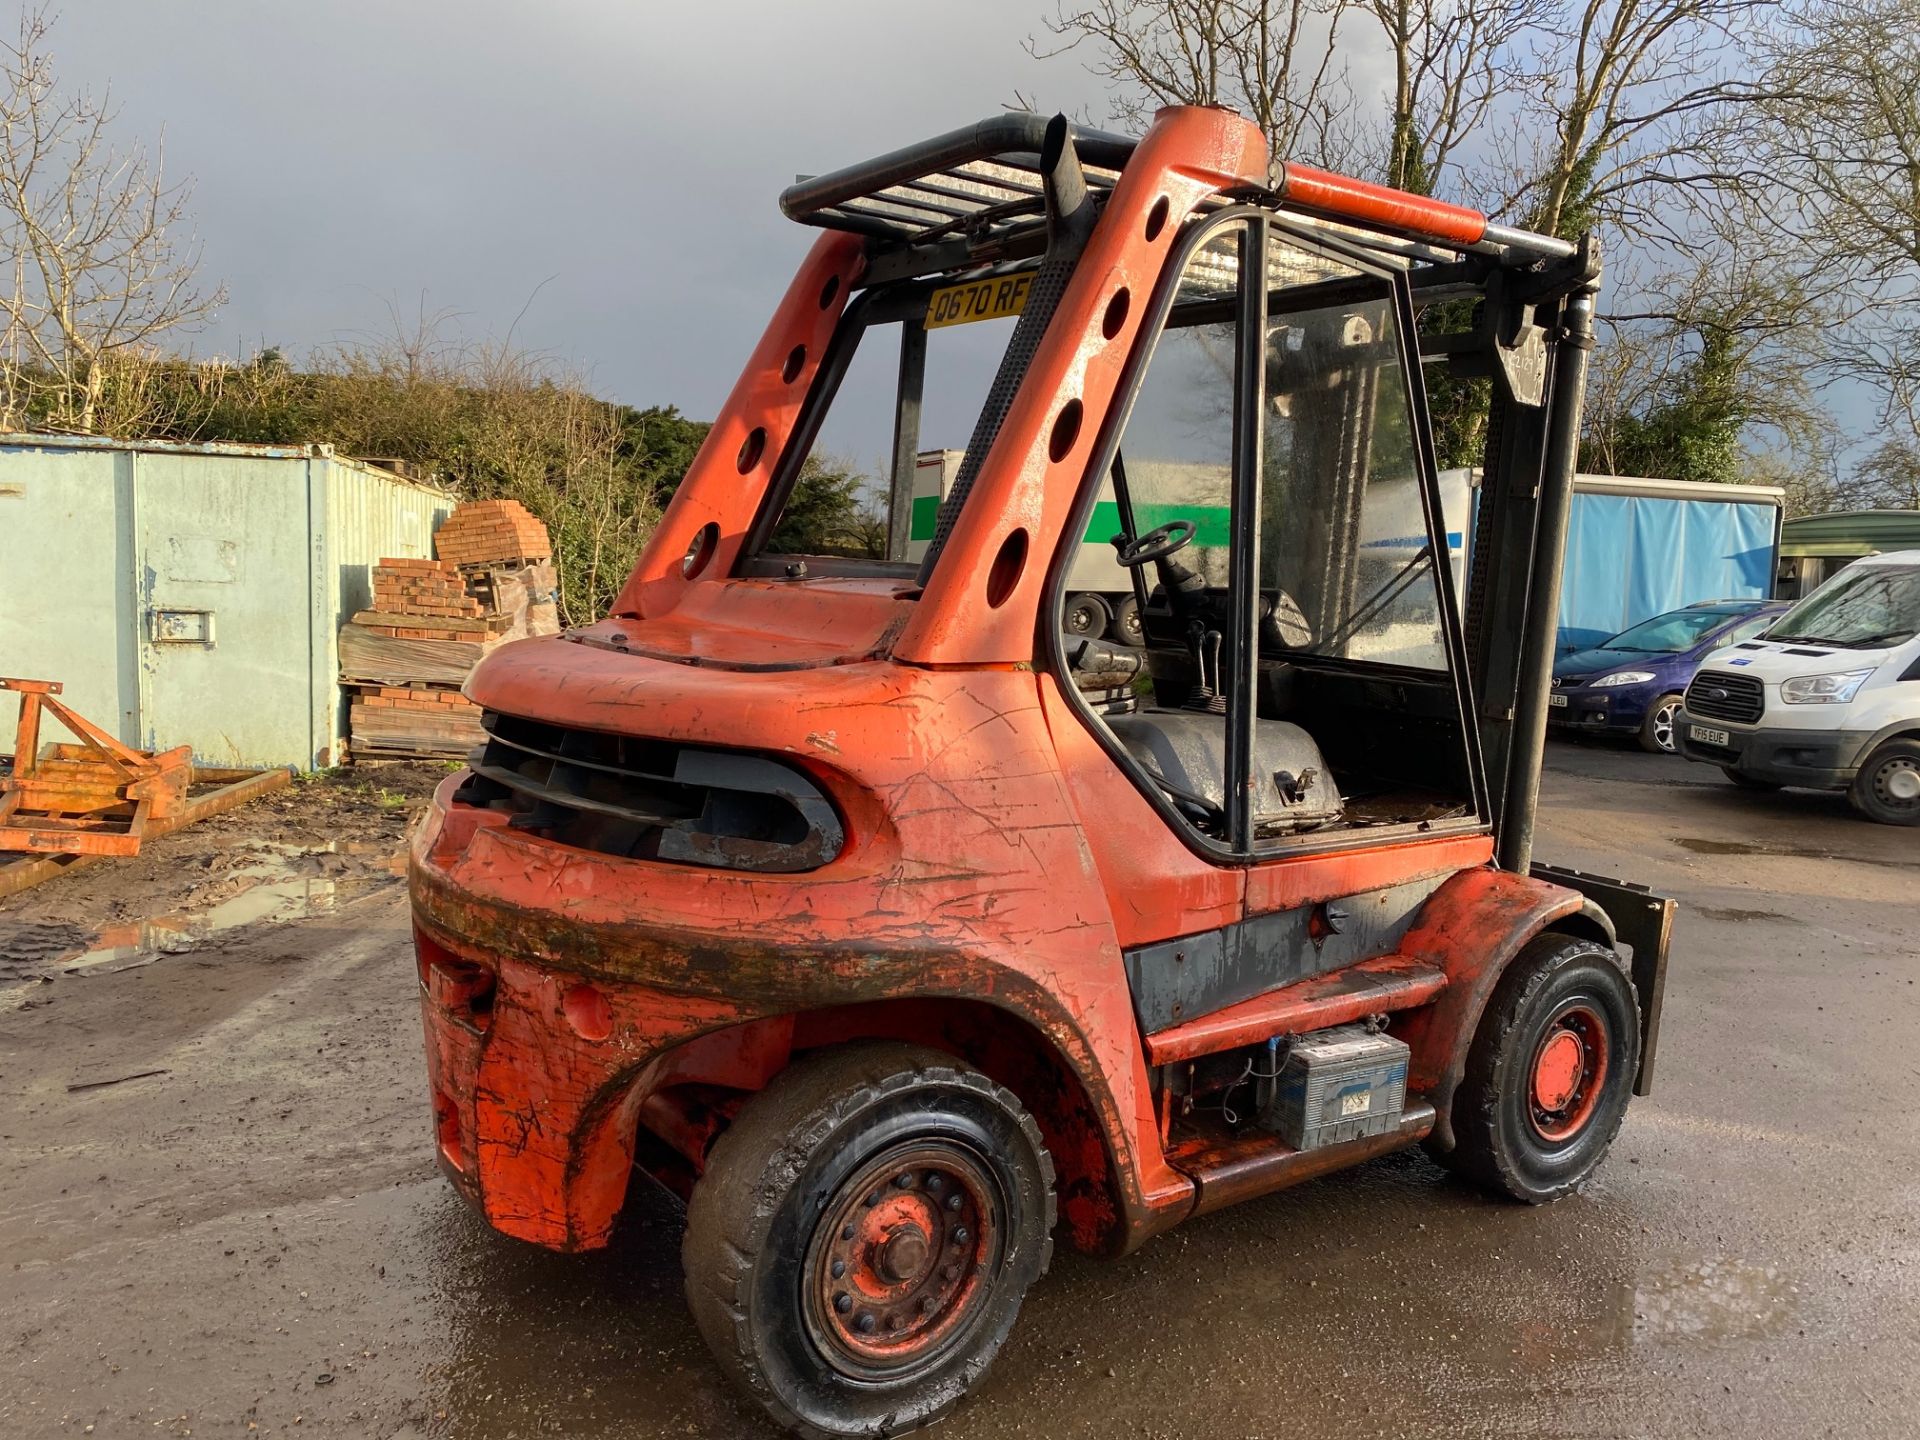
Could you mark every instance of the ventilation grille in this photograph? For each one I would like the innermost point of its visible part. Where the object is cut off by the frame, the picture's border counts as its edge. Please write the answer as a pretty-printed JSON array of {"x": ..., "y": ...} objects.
[
  {"x": 1726, "y": 697},
  {"x": 651, "y": 799}
]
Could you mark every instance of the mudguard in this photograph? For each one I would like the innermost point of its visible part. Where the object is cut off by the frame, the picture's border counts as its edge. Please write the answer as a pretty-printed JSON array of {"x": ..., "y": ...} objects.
[{"x": 1472, "y": 928}]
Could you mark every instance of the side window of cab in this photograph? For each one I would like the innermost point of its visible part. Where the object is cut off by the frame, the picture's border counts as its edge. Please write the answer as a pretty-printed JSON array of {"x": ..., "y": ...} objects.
[{"x": 1276, "y": 515}]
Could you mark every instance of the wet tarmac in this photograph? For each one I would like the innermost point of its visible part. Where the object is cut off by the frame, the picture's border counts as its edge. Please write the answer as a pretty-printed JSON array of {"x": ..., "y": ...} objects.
[{"x": 219, "y": 1215}]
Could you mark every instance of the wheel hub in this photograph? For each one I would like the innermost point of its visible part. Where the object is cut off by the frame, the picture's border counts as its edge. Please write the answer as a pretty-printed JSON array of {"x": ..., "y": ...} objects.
[
  {"x": 904, "y": 1255},
  {"x": 1568, "y": 1073},
  {"x": 1557, "y": 1071},
  {"x": 1901, "y": 782},
  {"x": 1663, "y": 726},
  {"x": 900, "y": 1260}
]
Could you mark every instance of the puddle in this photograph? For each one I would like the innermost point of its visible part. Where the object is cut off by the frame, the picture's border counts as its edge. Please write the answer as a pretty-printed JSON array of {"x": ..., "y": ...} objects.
[
  {"x": 1714, "y": 912},
  {"x": 1715, "y": 1299},
  {"x": 123, "y": 947},
  {"x": 1701, "y": 846},
  {"x": 252, "y": 882}
]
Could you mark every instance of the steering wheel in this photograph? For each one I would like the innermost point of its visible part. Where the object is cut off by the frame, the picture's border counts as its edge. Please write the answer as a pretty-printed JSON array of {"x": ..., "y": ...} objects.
[{"x": 1173, "y": 536}]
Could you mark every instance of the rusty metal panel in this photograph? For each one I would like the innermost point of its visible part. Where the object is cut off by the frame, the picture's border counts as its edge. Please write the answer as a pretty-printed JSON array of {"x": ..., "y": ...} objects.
[{"x": 1178, "y": 980}]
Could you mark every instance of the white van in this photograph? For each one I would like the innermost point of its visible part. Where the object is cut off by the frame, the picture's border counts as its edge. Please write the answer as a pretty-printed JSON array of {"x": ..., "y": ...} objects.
[{"x": 1827, "y": 699}]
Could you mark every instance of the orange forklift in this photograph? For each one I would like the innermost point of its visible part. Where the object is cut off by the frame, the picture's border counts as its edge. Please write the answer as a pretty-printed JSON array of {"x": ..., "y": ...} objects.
[{"x": 897, "y": 930}]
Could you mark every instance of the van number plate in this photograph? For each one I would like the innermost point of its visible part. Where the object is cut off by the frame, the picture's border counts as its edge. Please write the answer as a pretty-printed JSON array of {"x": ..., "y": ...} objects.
[
  {"x": 1356, "y": 1104},
  {"x": 1708, "y": 736},
  {"x": 1558, "y": 702}
]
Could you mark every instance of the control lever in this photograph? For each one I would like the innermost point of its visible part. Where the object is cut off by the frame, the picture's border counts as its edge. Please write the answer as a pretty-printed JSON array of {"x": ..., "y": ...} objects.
[{"x": 1205, "y": 645}]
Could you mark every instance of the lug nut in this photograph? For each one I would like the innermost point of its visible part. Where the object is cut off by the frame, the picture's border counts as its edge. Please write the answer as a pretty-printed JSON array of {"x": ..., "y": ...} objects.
[
  {"x": 893, "y": 1322},
  {"x": 866, "y": 1323},
  {"x": 904, "y": 1180},
  {"x": 933, "y": 1183},
  {"x": 953, "y": 1201},
  {"x": 874, "y": 1199},
  {"x": 842, "y": 1303},
  {"x": 846, "y": 1232},
  {"x": 839, "y": 1268},
  {"x": 961, "y": 1235},
  {"x": 927, "y": 1304}
]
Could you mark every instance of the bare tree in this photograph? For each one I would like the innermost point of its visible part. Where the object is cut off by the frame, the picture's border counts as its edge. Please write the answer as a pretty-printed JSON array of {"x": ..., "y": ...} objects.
[
  {"x": 1693, "y": 381},
  {"x": 1275, "y": 61},
  {"x": 1837, "y": 134},
  {"x": 1630, "y": 94},
  {"x": 1452, "y": 61},
  {"x": 100, "y": 269}
]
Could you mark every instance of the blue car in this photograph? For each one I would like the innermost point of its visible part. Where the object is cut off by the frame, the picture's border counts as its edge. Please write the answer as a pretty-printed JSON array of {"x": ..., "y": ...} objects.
[{"x": 1632, "y": 684}]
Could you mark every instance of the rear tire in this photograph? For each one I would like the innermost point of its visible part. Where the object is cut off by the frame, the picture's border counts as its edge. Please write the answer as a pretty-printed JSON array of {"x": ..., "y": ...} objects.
[
  {"x": 1747, "y": 782},
  {"x": 1887, "y": 789},
  {"x": 1550, "y": 1072},
  {"x": 1125, "y": 625},
  {"x": 1084, "y": 616},
  {"x": 844, "y": 1301},
  {"x": 1659, "y": 732}
]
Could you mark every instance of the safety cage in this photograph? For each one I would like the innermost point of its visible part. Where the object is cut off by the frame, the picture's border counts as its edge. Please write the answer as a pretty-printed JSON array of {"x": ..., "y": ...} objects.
[{"x": 1012, "y": 197}]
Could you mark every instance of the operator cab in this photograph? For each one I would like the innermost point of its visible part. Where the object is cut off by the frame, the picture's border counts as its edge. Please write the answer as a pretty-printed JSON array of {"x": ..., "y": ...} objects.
[{"x": 1261, "y": 520}]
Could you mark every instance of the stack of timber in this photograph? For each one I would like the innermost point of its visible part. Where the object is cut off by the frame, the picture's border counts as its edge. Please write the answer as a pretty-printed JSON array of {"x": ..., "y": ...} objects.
[{"x": 403, "y": 662}]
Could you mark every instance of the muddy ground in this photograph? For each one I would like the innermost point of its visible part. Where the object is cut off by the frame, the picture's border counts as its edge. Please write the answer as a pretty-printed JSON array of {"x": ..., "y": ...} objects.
[{"x": 252, "y": 1239}]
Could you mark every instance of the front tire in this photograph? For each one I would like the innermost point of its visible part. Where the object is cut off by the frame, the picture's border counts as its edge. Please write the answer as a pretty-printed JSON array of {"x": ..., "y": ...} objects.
[
  {"x": 1659, "y": 732},
  {"x": 865, "y": 1231},
  {"x": 1887, "y": 788},
  {"x": 1550, "y": 1072}
]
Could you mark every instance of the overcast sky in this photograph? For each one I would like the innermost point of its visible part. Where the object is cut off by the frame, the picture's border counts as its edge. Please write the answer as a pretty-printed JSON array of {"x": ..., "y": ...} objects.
[
  {"x": 629, "y": 153},
  {"x": 347, "y": 153}
]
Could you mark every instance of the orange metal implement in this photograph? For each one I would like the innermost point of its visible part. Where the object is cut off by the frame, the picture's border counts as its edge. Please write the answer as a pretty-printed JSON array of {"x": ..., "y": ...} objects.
[{"x": 97, "y": 797}]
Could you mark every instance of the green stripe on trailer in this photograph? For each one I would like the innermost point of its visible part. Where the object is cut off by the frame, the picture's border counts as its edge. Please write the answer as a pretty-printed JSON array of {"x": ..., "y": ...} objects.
[
  {"x": 926, "y": 516},
  {"x": 1212, "y": 523}
]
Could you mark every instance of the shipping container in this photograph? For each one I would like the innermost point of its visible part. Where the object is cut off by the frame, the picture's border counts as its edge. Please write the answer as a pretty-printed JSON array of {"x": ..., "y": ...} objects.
[{"x": 194, "y": 594}]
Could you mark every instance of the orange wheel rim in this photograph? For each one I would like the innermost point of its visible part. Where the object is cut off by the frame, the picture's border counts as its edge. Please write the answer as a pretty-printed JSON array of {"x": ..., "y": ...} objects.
[
  {"x": 901, "y": 1260},
  {"x": 1569, "y": 1071}
]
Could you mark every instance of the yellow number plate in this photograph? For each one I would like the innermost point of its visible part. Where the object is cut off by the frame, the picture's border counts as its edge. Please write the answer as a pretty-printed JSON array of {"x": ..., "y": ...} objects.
[{"x": 978, "y": 300}]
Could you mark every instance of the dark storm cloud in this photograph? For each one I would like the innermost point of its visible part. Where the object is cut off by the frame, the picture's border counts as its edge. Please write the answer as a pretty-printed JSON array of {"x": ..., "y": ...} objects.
[{"x": 345, "y": 153}]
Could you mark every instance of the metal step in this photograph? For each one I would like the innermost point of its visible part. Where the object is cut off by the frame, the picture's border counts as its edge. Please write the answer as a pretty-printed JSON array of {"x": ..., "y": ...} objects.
[
  {"x": 1339, "y": 997},
  {"x": 1226, "y": 1170}
]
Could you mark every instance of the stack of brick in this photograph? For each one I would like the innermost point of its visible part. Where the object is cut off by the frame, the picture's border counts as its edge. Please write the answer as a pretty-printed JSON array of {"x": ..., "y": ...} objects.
[
  {"x": 403, "y": 685},
  {"x": 404, "y": 661},
  {"x": 493, "y": 533},
  {"x": 422, "y": 587}
]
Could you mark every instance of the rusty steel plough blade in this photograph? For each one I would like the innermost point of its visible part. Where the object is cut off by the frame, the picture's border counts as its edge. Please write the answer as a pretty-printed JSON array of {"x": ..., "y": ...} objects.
[{"x": 97, "y": 797}]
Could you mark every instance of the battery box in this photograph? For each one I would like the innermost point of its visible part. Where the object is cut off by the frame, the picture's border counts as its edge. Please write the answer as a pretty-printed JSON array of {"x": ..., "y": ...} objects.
[{"x": 1339, "y": 1084}]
